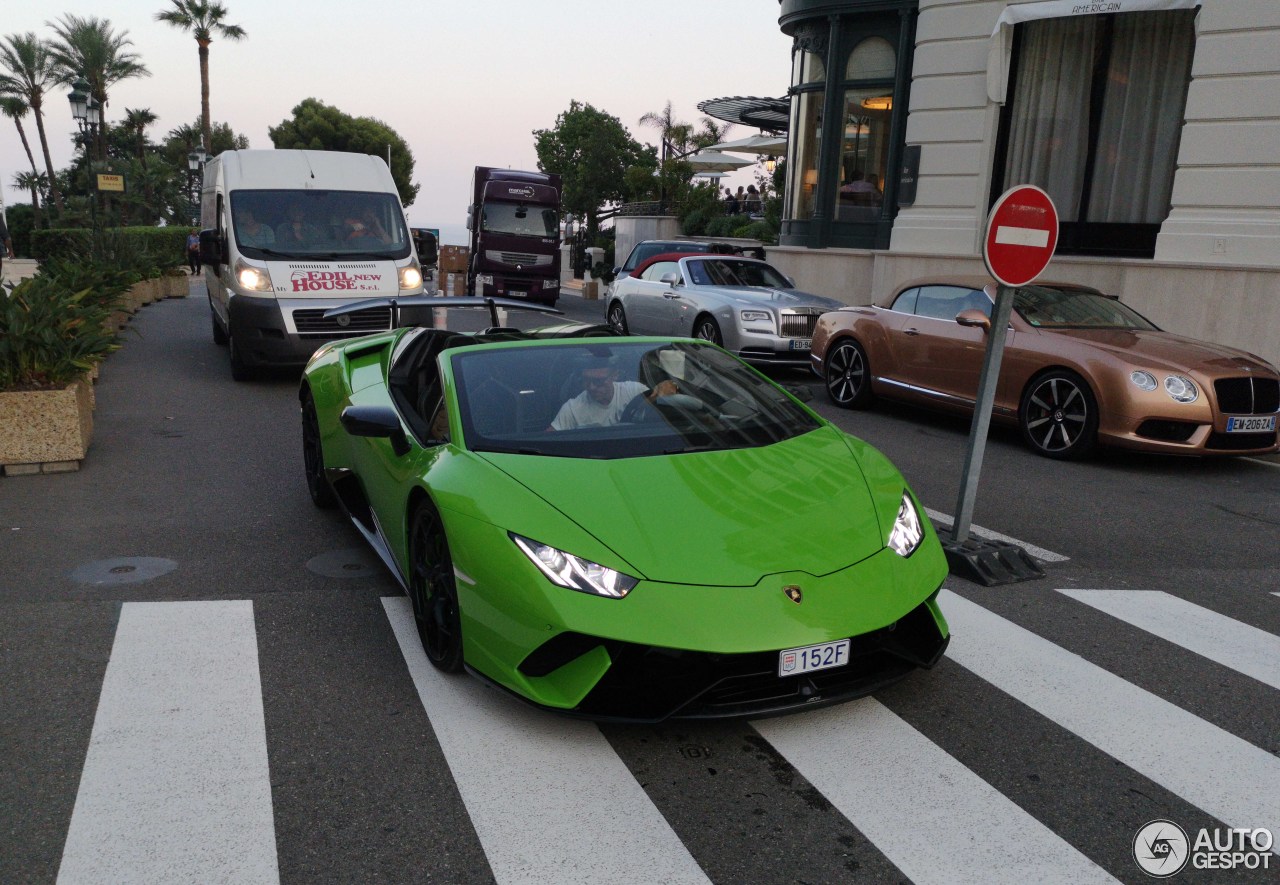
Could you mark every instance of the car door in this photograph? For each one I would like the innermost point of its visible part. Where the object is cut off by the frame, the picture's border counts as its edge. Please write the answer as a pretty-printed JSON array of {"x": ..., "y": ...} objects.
[
  {"x": 937, "y": 355},
  {"x": 652, "y": 306}
]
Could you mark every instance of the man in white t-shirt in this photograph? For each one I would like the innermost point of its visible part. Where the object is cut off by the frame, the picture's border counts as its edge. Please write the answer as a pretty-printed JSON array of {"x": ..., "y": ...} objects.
[{"x": 604, "y": 398}]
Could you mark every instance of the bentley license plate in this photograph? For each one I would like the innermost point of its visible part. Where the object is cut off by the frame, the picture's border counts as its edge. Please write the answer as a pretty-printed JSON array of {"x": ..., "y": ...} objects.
[
  {"x": 801, "y": 344},
  {"x": 792, "y": 661},
  {"x": 1251, "y": 424}
]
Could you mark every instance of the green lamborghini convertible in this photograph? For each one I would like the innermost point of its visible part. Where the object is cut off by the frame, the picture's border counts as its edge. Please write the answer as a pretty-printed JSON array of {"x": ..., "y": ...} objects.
[{"x": 623, "y": 528}]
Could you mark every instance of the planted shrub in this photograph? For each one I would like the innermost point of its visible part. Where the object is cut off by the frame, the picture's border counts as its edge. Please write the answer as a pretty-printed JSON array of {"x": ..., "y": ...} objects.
[{"x": 50, "y": 333}]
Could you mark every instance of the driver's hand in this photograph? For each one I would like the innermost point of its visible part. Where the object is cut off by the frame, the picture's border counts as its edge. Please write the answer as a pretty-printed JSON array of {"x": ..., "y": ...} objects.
[{"x": 665, "y": 388}]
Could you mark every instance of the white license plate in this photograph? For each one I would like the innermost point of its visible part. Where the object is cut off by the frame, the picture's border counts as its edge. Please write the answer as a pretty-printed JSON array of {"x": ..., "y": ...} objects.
[
  {"x": 792, "y": 661},
  {"x": 513, "y": 293},
  {"x": 801, "y": 344},
  {"x": 1251, "y": 424}
]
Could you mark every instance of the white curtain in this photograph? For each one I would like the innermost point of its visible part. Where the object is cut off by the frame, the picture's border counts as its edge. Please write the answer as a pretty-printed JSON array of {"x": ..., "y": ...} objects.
[
  {"x": 1048, "y": 137},
  {"x": 1142, "y": 117}
]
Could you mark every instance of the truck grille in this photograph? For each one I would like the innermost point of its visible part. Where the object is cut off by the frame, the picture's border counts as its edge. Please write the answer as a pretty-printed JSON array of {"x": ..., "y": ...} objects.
[
  {"x": 523, "y": 259},
  {"x": 1247, "y": 396},
  {"x": 310, "y": 323},
  {"x": 798, "y": 325}
]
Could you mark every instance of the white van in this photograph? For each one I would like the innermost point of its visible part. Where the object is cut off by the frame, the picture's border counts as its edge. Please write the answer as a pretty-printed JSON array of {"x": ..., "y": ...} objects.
[{"x": 290, "y": 234}]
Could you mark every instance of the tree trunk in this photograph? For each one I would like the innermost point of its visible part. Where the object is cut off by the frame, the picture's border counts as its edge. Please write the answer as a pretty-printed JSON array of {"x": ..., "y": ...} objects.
[
  {"x": 205, "y": 127},
  {"x": 48, "y": 161}
]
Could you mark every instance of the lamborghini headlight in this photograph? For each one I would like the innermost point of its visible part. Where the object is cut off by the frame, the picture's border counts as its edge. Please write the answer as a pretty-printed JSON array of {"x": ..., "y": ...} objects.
[
  {"x": 254, "y": 279},
  {"x": 410, "y": 277},
  {"x": 574, "y": 572},
  {"x": 907, "y": 531}
]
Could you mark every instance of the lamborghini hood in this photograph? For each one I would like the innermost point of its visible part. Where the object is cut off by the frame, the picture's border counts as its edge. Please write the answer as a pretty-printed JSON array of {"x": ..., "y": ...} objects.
[{"x": 723, "y": 518}]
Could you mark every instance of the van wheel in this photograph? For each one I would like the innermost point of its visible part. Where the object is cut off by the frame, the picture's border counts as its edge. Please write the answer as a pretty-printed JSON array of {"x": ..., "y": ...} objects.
[
  {"x": 219, "y": 334},
  {"x": 240, "y": 369}
]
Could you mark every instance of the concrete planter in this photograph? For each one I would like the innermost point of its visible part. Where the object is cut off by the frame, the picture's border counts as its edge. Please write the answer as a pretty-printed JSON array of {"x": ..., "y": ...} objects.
[
  {"x": 174, "y": 287},
  {"x": 45, "y": 431}
]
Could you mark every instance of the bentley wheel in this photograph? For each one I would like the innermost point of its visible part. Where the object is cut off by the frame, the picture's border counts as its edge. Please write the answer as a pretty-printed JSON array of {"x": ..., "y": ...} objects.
[
  {"x": 708, "y": 329},
  {"x": 313, "y": 456},
  {"x": 617, "y": 317},
  {"x": 1059, "y": 416},
  {"x": 433, "y": 591},
  {"x": 847, "y": 376}
]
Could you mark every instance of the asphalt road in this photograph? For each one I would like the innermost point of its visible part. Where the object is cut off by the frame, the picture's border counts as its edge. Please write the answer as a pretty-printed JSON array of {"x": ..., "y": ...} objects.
[{"x": 1136, "y": 681}]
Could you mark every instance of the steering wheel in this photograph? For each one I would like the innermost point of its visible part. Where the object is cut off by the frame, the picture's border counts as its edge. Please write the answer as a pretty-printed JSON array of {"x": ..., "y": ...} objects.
[{"x": 638, "y": 411}]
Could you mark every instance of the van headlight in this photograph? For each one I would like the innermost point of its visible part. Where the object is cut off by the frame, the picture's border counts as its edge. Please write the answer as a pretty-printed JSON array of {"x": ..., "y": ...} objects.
[
  {"x": 410, "y": 277},
  {"x": 573, "y": 572},
  {"x": 251, "y": 278},
  {"x": 908, "y": 531}
]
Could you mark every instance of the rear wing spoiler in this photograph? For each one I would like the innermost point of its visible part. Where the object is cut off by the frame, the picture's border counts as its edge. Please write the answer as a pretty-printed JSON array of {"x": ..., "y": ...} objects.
[{"x": 419, "y": 310}]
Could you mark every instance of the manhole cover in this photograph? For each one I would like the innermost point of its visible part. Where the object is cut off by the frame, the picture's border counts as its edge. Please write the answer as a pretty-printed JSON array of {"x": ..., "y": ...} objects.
[
  {"x": 353, "y": 562},
  {"x": 123, "y": 570}
]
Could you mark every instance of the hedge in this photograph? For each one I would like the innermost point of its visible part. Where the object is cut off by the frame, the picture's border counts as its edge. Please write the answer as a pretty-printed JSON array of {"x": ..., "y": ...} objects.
[{"x": 169, "y": 243}]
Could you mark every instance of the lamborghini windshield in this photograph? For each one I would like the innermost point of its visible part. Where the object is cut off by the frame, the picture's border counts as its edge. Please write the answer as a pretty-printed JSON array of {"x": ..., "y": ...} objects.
[{"x": 617, "y": 399}]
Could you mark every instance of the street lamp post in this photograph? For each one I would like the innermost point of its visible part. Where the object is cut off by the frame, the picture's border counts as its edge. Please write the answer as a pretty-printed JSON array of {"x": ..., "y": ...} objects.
[
  {"x": 195, "y": 180},
  {"x": 87, "y": 114}
]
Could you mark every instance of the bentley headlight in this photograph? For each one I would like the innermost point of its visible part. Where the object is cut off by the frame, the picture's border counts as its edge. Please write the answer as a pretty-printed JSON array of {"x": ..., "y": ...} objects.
[
  {"x": 1144, "y": 380},
  {"x": 907, "y": 531},
  {"x": 1182, "y": 389},
  {"x": 410, "y": 277},
  {"x": 255, "y": 279},
  {"x": 574, "y": 572}
]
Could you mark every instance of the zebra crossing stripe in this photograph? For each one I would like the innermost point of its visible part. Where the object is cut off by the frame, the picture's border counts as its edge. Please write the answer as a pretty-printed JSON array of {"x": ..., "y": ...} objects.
[
  {"x": 549, "y": 798},
  {"x": 1241, "y": 647},
  {"x": 176, "y": 786},
  {"x": 931, "y": 816},
  {"x": 1211, "y": 768}
]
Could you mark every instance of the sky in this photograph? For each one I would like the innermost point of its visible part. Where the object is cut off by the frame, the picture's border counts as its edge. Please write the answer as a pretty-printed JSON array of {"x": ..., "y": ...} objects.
[{"x": 465, "y": 83}]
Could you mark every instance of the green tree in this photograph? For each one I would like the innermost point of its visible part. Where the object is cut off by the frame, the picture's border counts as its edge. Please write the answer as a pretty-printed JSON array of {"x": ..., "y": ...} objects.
[
  {"x": 710, "y": 133},
  {"x": 317, "y": 126},
  {"x": 592, "y": 151},
  {"x": 184, "y": 139},
  {"x": 203, "y": 20},
  {"x": 33, "y": 182},
  {"x": 677, "y": 137},
  {"x": 91, "y": 48},
  {"x": 29, "y": 70}
]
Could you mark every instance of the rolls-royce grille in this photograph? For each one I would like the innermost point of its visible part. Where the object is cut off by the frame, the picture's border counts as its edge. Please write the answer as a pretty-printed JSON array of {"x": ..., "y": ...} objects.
[
  {"x": 798, "y": 325},
  {"x": 1247, "y": 396},
  {"x": 310, "y": 323}
]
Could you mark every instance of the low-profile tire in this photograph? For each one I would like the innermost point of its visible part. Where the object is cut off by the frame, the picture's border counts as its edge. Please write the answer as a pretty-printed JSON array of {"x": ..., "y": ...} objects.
[
  {"x": 617, "y": 317},
  {"x": 313, "y": 456},
  {"x": 219, "y": 334},
  {"x": 240, "y": 369},
  {"x": 1058, "y": 416},
  {"x": 848, "y": 375},
  {"x": 706, "y": 328},
  {"x": 433, "y": 591}
]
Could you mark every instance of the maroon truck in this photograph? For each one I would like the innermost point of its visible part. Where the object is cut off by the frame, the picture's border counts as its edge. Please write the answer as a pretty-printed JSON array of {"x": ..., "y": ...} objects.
[{"x": 514, "y": 219}]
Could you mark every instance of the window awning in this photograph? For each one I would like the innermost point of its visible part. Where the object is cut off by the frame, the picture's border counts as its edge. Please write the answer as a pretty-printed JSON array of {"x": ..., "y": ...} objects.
[{"x": 1025, "y": 12}]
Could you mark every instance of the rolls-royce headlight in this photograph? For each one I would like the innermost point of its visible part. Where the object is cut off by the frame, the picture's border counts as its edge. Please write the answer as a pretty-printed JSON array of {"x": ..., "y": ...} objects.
[
  {"x": 255, "y": 279},
  {"x": 574, "y": 572},
  {"x": 907, "y": 531},
  {"x": 1144, "y": 380},
  {"x": 1182, "y": 389},
  {"x": 757, "y": 316}
]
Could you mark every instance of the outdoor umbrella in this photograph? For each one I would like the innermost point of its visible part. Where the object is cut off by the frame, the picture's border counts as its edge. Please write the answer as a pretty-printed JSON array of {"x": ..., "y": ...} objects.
[
  {"x": 766, "y": 145},
  {"x": 714, "y": 161}
]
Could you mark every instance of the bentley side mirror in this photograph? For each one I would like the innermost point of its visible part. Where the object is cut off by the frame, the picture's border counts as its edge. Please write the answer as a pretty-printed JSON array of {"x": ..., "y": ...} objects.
[{"x": 974, "y": 318}]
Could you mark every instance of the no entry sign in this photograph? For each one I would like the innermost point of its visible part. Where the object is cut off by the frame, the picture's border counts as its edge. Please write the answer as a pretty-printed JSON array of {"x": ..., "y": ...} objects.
[{"x": 1022, "y": 232}]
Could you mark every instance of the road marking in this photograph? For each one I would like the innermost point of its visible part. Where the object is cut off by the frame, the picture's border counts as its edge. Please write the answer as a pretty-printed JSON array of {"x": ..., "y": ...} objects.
[
  {"x": 1022, "y": 236},
  {"x": 1038, "y": 552},
  {"x": 539, "y": 787},
  {"x": 1211, "y": 768},
  {"x": 176, "y": 786},
  {"x": 1241, "y": 647},
  {"x": 931, "y": 816}
]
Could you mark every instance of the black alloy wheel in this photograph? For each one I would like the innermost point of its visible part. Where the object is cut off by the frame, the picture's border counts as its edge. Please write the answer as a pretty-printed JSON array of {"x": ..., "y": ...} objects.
[
  {"x": 617, "y": 317},
  {"x": 433, "y": 591},
  {"x": 847, "y": 375},
  {"x": 708, "y": 329},
  {"x": 313, "y": 456},
  {"x": 1059, "y": 416}
]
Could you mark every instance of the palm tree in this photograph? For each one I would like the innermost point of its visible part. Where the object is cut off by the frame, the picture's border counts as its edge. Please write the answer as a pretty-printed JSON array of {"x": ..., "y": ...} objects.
[
  {"x": 136, "y": 121},
  {"x": 710, "y": 133},
  {"x": 676, "y": 136},
  {"x": 34, "y": 182},
  {"x": 91, "y": 48},
  {"x": 15, "y": 109},
  {"x": 203, "y": 20},
  {"x": 28, "y": 71}
]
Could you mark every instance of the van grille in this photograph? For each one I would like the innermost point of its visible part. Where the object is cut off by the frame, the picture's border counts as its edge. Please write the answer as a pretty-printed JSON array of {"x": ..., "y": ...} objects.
[{"x": 311, "y": 323}]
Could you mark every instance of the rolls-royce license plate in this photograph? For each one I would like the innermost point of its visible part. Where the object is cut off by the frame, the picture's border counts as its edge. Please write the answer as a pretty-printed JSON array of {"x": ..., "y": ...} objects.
[{"x": 801, "y": 344}]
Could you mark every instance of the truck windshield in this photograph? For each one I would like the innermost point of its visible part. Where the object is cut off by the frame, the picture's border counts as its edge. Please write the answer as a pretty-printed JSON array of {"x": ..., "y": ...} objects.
[
  {"x": 318, "y": 224},
  {"x": 520, "y": 219}
]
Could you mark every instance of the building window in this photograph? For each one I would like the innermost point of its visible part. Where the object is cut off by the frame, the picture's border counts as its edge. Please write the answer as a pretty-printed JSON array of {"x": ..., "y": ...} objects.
[
  {"x": 867, "y": 113},
  {"x": 1094, "y": 119},
  {"x": 808, "y": 78}
]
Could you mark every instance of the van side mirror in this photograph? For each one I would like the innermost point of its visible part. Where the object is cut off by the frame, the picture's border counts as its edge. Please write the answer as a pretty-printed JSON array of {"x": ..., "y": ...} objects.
[
  {"x": 211, "y": 248},
  {"x": 428, "y": 248}
]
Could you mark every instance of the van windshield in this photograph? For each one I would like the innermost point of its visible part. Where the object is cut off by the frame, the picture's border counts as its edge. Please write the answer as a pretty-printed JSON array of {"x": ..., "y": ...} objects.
[{"x": 274, "y": 224}]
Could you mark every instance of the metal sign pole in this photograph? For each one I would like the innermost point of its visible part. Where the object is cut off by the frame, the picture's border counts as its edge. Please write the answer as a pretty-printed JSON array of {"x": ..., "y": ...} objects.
[{"x": 982, "y": 413}]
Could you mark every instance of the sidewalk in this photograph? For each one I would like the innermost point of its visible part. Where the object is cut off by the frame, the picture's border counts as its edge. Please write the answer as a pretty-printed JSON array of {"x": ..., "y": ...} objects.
[{"x": 19, "y": 269}]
